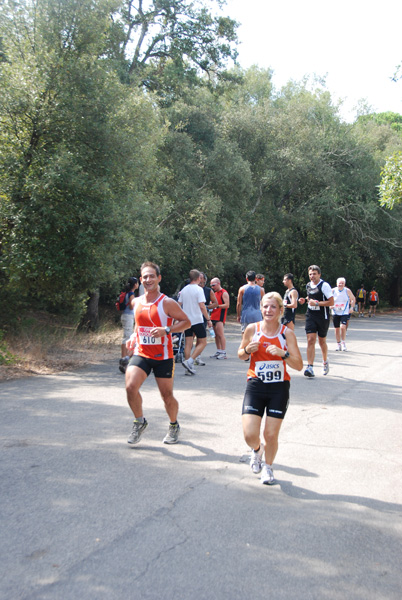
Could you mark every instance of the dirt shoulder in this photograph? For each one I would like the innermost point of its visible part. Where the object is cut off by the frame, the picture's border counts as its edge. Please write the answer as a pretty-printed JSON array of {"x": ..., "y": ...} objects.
[
  {"x": 62, "y": 360},
  {"x": 45, "y": 346},
  {"x": 69, "y": 352}
]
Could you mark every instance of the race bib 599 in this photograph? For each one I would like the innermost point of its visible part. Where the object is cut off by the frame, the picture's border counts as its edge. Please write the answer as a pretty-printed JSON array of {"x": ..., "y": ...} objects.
[{"x": 270, "y": 371}]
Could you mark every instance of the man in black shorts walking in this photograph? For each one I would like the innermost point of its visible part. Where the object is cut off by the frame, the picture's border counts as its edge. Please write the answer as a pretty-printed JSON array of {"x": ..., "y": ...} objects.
[{"x": 320, "y": 298}]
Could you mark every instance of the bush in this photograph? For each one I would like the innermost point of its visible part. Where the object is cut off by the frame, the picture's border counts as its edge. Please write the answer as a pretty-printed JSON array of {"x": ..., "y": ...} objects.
[{"x": 6, "y": 358}]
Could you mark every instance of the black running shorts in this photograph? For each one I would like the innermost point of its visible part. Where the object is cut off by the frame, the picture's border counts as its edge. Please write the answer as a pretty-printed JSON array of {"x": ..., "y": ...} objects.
[
  {"x": 198, "y": 330},
  {"x": 270, "y": 397},
  {"x": 161, "y": 368},
  {"x": 316, "y": 324},
  {"x": 288, "y": 319},
  {"x": 340, "y": 319}
]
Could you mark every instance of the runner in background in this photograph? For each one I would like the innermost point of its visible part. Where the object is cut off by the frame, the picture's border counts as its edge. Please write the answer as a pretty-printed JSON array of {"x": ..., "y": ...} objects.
[
  {"x": 361, "y": 300},
  {"x": 344, "y": 302},
  {"x": 289, "y": 301},
  {"x": 210, "y": 304},
  {"x": 248, "y": 301},
  {"x": 374, "y": 300},
  {"x": 260, "y": 280},
  {"x": 218, "y": 318}
]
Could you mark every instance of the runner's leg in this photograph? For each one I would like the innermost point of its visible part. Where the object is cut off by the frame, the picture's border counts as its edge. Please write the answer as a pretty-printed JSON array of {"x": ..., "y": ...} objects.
[
  {"x": 251, "y": 430},
  {"x": 311, "y": 340},
  {"x": 271, "y": 434},
  {"x": 220, "y": 336},
  {"x": 135, "y": 377},
  {"x": 165, "y": 386},
  {"x": 324, "y": 348}
]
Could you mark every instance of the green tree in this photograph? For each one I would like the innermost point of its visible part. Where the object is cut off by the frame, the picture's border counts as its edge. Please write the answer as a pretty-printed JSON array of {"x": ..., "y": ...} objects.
[
  {"x": 392, "y": 119},
  {"x": 149, "y": 36},
  {"x": 391, "y": 181},
  {"x": 77, "y": 152},
  {"x": 314, "y": 188}
]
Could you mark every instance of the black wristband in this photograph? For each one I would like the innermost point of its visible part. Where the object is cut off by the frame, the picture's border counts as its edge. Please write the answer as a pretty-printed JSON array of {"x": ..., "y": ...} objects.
[{"x": 248, "y": 353}]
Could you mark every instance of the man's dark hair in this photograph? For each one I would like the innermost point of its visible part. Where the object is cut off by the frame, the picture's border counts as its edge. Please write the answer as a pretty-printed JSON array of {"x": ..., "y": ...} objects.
[
  {"x": 314, "y": 268},
  {"x": 289, "y": 276},
  {"x": 152, "y": 265},
  {"x": 250, "y": 275}
]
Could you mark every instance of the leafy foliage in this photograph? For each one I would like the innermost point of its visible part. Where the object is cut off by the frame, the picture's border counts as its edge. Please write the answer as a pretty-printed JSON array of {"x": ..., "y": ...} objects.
[
  {"x": 78, "y": 147},
  {"x": 123, "y": 138},
  {"x": 180, "y": 37},
  {"x": 391, "y": 181}
]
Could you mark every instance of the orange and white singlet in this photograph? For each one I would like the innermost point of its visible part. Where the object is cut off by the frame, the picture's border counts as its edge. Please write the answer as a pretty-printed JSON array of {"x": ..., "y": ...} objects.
[
  {"x": 147, "y": 316},
  {"x": 266, "y": 366}
]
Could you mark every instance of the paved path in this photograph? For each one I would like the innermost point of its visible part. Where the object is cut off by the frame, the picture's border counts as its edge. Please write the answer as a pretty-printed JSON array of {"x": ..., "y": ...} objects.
[{"x": 84, "y": 516}]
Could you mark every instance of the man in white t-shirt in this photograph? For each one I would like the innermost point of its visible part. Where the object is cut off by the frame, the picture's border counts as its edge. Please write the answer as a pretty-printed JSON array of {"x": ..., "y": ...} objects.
[{"x": 192, "y": 300}]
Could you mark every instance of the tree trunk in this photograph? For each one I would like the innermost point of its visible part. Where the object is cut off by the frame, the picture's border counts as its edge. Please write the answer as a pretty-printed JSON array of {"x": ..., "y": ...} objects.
[
  {"x": 395, "y": 293},
  {"x": 90, "y": 320}
]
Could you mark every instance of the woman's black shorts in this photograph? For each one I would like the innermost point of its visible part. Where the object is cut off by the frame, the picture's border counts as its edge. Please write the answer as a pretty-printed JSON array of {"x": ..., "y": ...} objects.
[{"x": 270, "y": 397}]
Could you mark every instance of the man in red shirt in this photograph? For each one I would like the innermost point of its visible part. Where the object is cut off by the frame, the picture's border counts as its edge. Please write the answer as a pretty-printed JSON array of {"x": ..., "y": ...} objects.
[
  {"x": 156, "y": 318},
  {"x": 218, "y": 318}
]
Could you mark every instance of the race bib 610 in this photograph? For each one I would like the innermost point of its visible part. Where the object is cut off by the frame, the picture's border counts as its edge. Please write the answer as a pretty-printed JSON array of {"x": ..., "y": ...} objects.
[{"x": 146, "y": 339}]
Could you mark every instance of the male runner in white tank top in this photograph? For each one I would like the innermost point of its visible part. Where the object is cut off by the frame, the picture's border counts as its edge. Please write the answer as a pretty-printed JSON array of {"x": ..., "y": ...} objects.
[{"x": 344, "y": 302}]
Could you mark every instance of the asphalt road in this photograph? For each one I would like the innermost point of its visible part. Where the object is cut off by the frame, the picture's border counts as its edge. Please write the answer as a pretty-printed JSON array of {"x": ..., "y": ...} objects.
[{"x": 85, "y": 516}]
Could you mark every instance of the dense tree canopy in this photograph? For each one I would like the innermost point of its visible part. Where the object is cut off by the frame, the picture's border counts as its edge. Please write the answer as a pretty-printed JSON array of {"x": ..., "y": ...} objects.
[
  {"x": 162, "y": 42},
  {"x": 76, "y": 148},
  {"x": 391, "y": 182},
  {"x": 126, "y": 133}
]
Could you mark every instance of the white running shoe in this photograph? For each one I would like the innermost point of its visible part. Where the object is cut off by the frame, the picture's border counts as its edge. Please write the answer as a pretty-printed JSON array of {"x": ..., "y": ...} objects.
[
  {"x": 172, "y": 436},
  {"x": 214, "y": 355},
  {"x": 137, "y": 431},
  {"x": 267, "y": 475},
  {"x": 256, "y": 460},
  {"x": 344, "y": 349},
  {"x": 325, "y": 368},
  {"x": 338, "y": 347},
  {"x": 309, "y": 372},
  {"x": 221, "y": 356},
  {"x": 199, "y": 362},
  {"x": 189, "y": 368}
]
